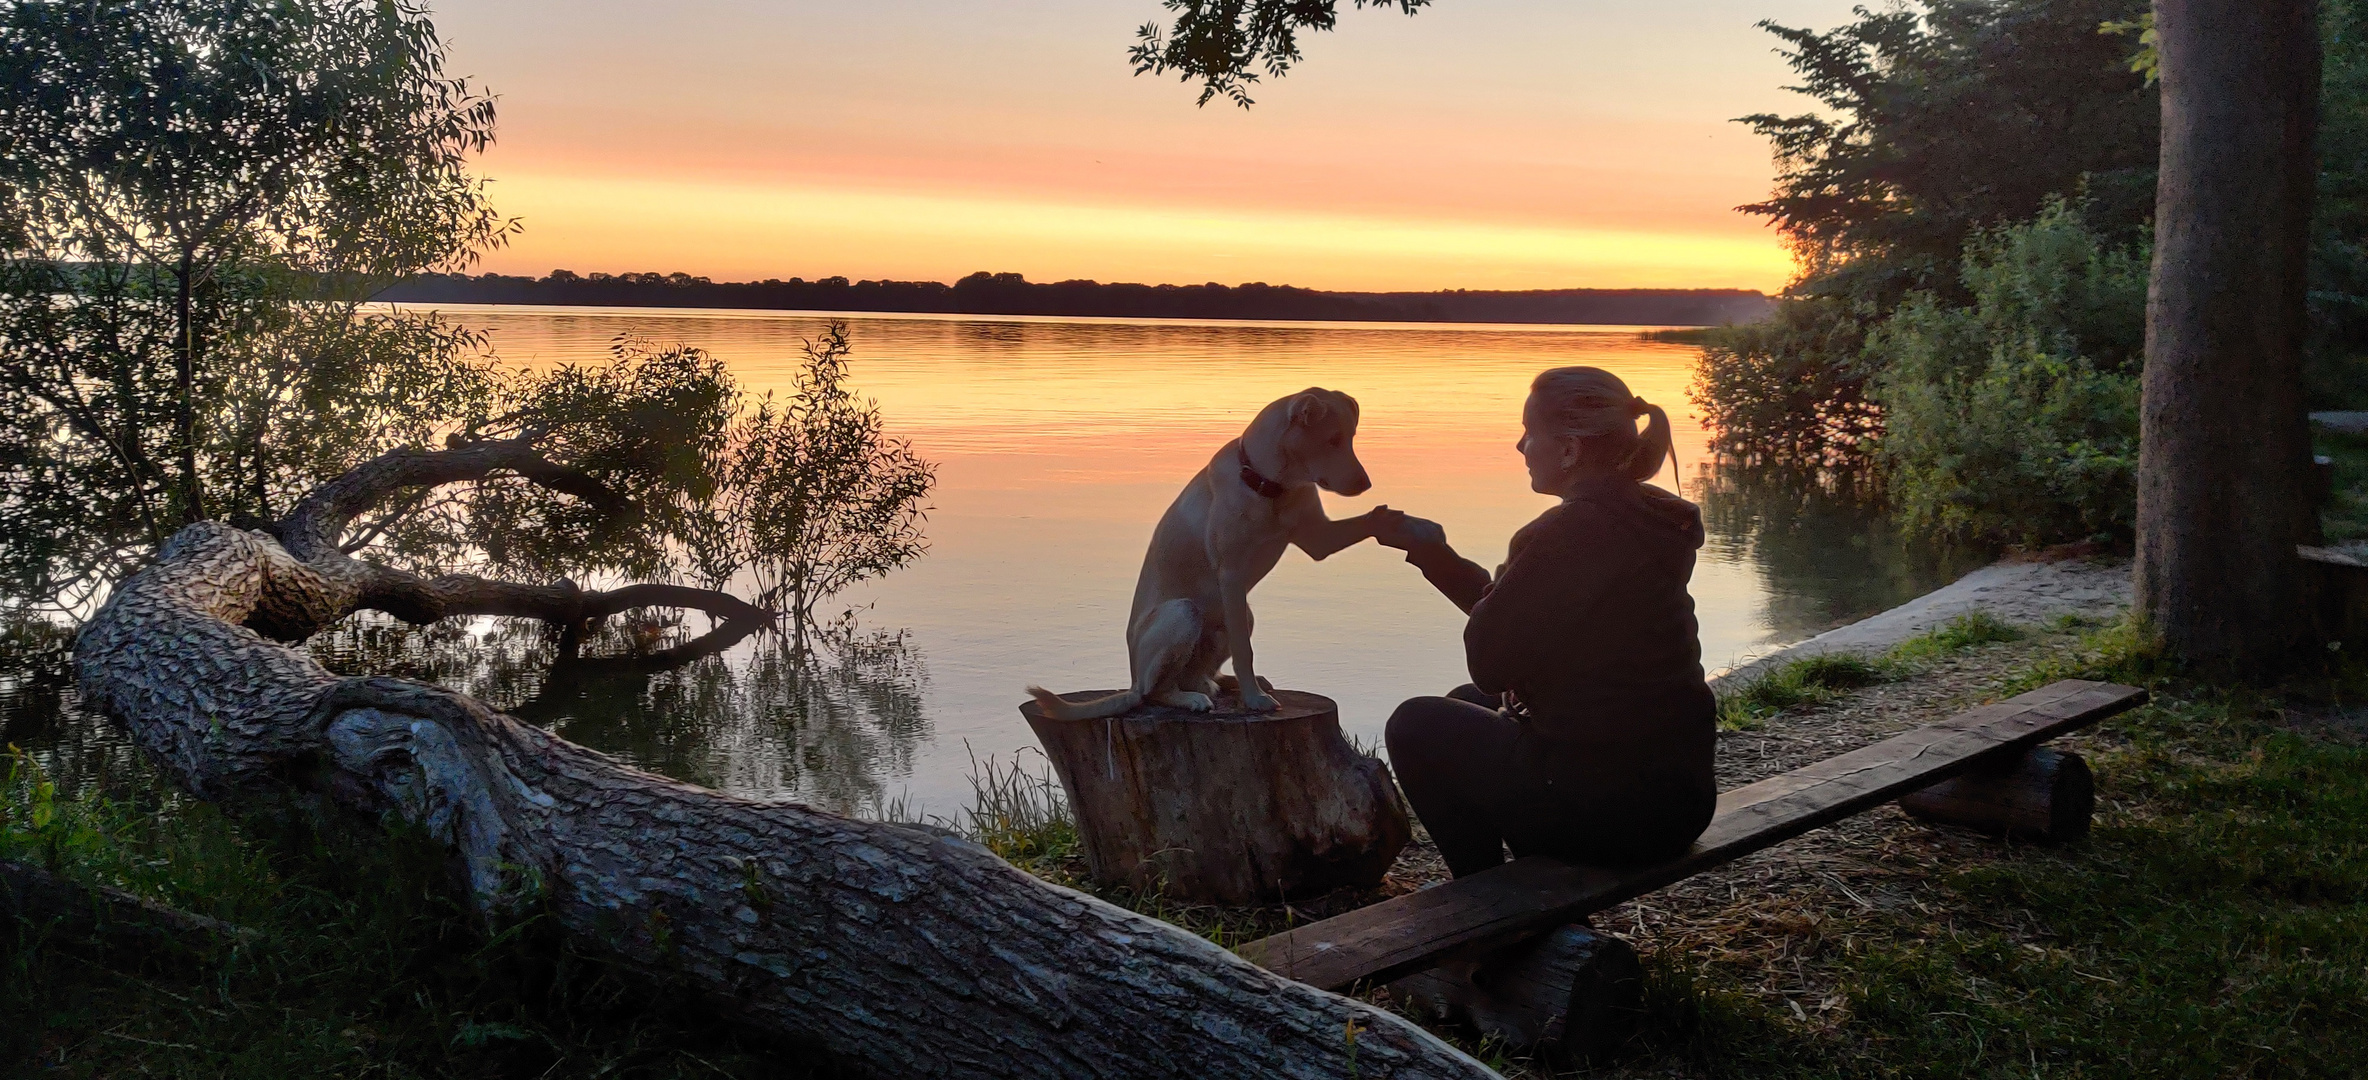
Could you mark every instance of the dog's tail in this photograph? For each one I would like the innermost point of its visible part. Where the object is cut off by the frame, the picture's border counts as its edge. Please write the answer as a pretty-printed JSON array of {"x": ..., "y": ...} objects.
[{"x": 1107, "y": 705}]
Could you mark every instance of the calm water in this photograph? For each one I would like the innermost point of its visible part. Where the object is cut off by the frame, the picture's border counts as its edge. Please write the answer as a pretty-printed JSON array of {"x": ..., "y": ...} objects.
[{"x": 1058, "y": 445}]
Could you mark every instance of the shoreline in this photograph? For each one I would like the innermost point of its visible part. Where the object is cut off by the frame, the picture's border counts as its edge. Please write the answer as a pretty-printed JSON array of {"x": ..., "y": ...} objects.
[{"x": 2021, "y": 593}]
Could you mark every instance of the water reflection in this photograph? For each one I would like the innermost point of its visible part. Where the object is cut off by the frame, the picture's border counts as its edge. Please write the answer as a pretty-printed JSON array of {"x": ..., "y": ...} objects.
[
  {"x": 1060, "y": 442},
  {"x": 1824, "y": 555},
  {"x": 833, "y": 721},
  {"x": 41, "y": 713}
]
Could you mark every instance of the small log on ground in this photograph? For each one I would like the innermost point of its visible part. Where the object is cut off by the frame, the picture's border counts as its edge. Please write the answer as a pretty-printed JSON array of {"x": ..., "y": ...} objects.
[
  {"x": 1567, "y": 996},
  {"x": 2038, "y": 794},
  {"x": 1226, "y": 807},
  {"x": 905, "y": 952}
]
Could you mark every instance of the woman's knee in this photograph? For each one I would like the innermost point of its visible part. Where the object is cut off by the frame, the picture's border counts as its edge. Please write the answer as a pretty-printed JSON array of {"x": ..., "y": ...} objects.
[
  {"x": 1475, "y": 695},
  {"x": 1416, "y": 721}
]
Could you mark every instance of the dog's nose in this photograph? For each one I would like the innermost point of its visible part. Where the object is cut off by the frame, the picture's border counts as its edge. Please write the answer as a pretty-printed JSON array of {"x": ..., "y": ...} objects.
[{"x": 1357, "y": 485}]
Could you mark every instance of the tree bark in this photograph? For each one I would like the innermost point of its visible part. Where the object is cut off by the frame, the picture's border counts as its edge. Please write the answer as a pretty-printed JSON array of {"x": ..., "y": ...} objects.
[
  {"x": 2224, "y": 459},
  {"x": 1228, "y": 807},
  {"x": 312, "y": 532},
  {"x": 907, "y": 952}
]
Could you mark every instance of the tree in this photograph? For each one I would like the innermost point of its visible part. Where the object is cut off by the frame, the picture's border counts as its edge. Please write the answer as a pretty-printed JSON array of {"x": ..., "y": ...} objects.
[
  {"x": 2224, "y": 458},
  {"x": 1938, "y": 123},
  {"x": 195, "y": 198},
  {"x": 1225, "y": 43},
  {"x": 813, "y": 496}
]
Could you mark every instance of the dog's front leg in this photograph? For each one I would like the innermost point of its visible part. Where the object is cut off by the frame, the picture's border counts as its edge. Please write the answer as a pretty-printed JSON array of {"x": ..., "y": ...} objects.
[{"x": 1236, "y": 594}]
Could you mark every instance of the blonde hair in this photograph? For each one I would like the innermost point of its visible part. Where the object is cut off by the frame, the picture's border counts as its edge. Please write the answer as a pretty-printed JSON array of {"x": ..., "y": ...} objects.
[{"x": 1593, "y": 406}]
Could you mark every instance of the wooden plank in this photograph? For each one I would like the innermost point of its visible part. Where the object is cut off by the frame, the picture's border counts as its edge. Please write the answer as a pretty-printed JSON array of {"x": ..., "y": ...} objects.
[{"x": 1409, "y": 933}]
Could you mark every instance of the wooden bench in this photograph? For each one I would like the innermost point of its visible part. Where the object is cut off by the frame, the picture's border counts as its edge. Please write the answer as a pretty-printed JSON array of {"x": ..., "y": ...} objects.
[{"x": 1470, "y": 918}]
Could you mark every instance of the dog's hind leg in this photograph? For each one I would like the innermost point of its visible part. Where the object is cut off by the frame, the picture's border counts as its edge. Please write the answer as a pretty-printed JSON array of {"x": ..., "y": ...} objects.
[{"x": 1164, "y": 650}]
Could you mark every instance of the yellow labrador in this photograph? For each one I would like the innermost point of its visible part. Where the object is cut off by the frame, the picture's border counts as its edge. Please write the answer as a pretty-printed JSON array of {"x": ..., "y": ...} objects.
[{"x": 1220, "y": 538}]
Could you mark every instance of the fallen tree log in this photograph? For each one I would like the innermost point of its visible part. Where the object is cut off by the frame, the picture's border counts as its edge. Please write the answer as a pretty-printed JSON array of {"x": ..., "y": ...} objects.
[{"x": 906, "y": 952}]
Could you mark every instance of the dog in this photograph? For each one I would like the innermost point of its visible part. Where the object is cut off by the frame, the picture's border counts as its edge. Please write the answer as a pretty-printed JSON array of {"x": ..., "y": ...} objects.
[{"x": 1222, "y": 536}]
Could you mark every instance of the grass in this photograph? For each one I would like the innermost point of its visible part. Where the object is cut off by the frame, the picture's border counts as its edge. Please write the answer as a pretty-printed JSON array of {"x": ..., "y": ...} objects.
[
  {"x": 1023, "y": 816},
  {"x": 364, "y": 964},
  {"x": 2214, "y": 924},
  {"x": 1817, "y": 680}
]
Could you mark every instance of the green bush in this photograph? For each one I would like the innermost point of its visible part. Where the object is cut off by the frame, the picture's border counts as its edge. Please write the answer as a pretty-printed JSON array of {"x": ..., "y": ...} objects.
[
  {"x": 2015, "y": 418},
  {"x": 1789, "y": 390}
]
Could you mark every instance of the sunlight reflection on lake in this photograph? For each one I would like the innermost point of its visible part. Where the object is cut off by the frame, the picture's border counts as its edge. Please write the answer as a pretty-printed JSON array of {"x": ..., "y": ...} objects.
[{"x": 1058, "y": 444}]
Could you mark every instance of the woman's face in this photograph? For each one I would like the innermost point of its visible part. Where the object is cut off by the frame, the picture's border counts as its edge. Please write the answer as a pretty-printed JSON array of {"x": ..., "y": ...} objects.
[{"x": 1549, "y": 456}]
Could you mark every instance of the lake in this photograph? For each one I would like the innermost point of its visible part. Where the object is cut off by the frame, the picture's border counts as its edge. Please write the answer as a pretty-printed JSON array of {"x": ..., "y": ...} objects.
[{"x": 1058, "y": 443}]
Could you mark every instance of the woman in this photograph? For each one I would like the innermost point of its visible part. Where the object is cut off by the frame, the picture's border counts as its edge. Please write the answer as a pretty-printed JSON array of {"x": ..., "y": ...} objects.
[{"x": 1587, "y": 732}]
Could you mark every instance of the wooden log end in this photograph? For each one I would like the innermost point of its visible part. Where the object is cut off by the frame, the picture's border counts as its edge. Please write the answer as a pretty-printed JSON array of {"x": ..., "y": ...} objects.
[
  {"x": 2041, "y": 794},
  {"x": 1567, "y": 996}
]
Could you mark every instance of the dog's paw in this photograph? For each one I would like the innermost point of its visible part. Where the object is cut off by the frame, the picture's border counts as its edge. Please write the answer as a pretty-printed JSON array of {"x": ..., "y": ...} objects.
[
  {"x": 1194, "y": 702},
  {"x": 1259, "y": 701}
]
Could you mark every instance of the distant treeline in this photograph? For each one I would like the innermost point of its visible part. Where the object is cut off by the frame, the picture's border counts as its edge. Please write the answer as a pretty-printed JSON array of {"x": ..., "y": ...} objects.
[{"x": 1010, "y": 294}]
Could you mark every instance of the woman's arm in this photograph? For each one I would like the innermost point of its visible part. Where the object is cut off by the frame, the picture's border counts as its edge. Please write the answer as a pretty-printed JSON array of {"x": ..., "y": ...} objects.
[{"x": 1459, "y": 579}]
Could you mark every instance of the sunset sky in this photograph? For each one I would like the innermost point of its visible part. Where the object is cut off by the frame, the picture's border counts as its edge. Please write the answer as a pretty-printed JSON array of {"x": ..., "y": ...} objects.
[{"x": 1484, "y": 144}]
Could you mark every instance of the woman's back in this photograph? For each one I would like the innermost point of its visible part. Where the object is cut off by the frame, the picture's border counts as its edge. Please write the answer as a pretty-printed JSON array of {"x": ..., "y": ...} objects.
[{"x": 1590, "y": 624}]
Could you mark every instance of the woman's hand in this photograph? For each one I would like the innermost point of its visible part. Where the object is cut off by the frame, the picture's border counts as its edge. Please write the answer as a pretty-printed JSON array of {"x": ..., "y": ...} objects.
[{"x": 1398, "y": 529}]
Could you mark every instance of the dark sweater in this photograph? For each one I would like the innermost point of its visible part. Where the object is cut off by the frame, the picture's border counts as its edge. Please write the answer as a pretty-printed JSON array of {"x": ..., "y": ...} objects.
[{"x": 1590, "y": 626}]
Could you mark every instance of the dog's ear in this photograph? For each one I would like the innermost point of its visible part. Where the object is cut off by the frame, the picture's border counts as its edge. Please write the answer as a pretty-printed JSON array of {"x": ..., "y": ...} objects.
[{"x": 1309, "y": 409}]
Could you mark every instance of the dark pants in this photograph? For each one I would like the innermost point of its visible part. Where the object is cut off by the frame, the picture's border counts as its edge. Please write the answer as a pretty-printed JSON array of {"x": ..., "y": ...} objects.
[{"x": 1480, "y": 781}]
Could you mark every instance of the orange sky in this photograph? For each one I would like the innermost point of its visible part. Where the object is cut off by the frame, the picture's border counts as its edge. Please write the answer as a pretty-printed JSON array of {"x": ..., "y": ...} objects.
[{"x": 1484, "y": 144}]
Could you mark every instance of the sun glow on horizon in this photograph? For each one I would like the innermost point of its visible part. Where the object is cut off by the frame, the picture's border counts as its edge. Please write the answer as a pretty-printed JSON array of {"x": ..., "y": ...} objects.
[
  {"x": 743, "y": 230},
  {"x": 1483, "y": 144}
]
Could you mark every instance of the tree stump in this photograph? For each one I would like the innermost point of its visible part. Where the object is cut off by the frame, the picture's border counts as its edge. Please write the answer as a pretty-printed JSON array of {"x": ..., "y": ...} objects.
[
  {"x": 1567, "y": 996},
  {"x": 2040, "y": 794},
  {"x": 1226, "y": 807}
]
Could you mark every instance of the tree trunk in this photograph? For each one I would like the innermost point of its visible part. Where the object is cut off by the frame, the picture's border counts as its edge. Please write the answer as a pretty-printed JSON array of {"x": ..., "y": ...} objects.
[
  {"x": 907, "y": 952},
  {"x": 2224, "y": 460},
  {"x": 1230, "y": 807}
]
